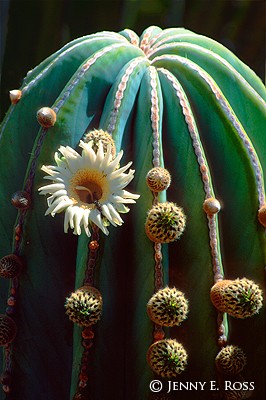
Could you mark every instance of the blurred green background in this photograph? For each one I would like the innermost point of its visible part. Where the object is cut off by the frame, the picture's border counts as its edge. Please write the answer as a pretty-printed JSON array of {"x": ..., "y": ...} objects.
[{"x": 33, "y": 29}]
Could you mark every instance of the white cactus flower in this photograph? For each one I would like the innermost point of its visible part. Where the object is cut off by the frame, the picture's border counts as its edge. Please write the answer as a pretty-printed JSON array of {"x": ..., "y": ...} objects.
[{"x": 88, "y": 187}]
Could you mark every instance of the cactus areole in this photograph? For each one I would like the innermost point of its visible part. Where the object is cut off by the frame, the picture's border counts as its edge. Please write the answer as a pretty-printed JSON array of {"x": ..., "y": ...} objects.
[{"x": 189, "y": 117}]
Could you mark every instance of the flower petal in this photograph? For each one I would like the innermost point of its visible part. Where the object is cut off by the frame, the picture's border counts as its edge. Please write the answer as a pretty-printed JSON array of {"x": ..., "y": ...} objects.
[
  {"x": 68, "y": 152},
  {"x": 118, "y": 172},
  {"x": 118, "y": 199},
  {"x": 107, "y": 159},
  {"x": 95, "y": 216},
  {"x": 59, "y": 193},
  {"x": 51, "y": 188},
  {"x": 113, "y": 164},
  {"x": 77, "y": 220},
  {"x": 87, "y": 152},
  {"x": 121, "y": 208},
  {"x": 121, "y": 181},
  {"x": 106, "y": 213},
  {"x": 99, "y": 155},
  {"x": 115, "y": 215},
  {"x": 58, "y": 205},
  {"x": 85, "y": 221},
  {"x": 70, "y": 212},
  {"x": 50, "y": 170},
  {"x": 53, "y": 178},
  {"x": 129, "y": 195}
]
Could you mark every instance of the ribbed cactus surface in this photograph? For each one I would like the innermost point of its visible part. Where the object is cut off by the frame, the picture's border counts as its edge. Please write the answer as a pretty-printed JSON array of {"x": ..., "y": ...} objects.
[{"x": 169, "y": 99}]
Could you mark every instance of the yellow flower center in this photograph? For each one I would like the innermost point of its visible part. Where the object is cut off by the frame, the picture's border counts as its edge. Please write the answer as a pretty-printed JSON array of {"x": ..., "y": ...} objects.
[{"x": 89, "y": 186}]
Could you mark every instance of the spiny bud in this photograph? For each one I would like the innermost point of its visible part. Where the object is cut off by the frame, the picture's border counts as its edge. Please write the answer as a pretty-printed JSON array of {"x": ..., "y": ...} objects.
[
  {"x": 10, "y": 266},
  {"x": 165, "y": 222},
  {"x": 167, "y": 358},
  {"x": 98, "y": 135},
  {"x": 240, "y": 298},
  {"x": 84, "y": 306},
  {"x": 8, "y": 330},
  {"x": 231, "y": 360},
  {"x": 168, "y": 307},
  {"x": 158, "y": 179}
]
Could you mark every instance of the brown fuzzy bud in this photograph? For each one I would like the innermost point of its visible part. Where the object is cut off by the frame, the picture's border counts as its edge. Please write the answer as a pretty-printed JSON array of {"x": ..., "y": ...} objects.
[
  {"x": 158, "y": 179},
  {"x": 15, "y": 96},
  {"x": 240, "y": 298},
  {"x": 10, "y": 266},
  {"x": 262, "y": 215},
  {"x": 21, "y": 200},
  {"x": 211, "y": 206},
  {"x": 46, "y": 117},
  {"x": 231, "y": 360},
  {"x": 8, "y": 330}
]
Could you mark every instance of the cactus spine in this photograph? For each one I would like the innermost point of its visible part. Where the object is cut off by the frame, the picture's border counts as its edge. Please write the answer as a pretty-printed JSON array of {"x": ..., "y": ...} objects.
[{"x": 170, "y": 99}]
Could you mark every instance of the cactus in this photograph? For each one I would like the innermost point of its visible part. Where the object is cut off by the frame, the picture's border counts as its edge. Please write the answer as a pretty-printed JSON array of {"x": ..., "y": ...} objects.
[{"x": 170, "y": 99}]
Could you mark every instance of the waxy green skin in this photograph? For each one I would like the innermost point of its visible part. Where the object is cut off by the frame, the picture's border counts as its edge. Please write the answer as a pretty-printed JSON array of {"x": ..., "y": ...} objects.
[{"x": 47, "y": 356}]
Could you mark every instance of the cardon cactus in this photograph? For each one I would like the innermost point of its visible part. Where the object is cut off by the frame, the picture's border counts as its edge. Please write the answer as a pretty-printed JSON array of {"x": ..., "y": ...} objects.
[{"x": 168, "y": 99}]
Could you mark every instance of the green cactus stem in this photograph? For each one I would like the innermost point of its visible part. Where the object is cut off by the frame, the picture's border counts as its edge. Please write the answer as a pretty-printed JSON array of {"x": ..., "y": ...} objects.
[{"x": 167, "y": 98}]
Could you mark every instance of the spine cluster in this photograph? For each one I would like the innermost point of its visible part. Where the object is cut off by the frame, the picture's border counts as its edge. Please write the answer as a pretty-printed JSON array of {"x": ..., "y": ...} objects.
[
  {"x": 168, "y": 307},
  {"x": 240, "y": 298},
  {"x": 165, "y": 222},
  {"x": 84, "y": 306},
  {"x": 167, "y": 358}
]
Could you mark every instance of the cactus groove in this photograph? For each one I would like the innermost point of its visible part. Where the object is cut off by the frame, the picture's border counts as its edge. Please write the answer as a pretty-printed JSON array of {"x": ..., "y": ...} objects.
[{"x": 169, "y": 99}]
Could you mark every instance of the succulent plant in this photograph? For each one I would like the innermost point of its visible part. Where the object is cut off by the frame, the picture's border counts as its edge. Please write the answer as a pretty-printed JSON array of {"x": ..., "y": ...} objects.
[{"x": 169, "y": 99}]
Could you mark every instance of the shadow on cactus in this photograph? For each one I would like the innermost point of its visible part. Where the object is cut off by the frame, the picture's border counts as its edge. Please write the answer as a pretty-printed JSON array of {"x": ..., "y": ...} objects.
[{"x": 189, "y": 117}]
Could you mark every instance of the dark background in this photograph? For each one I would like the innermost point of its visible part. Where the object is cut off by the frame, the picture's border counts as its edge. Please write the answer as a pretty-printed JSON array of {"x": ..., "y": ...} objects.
[{"x": 33, "y": 29}]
